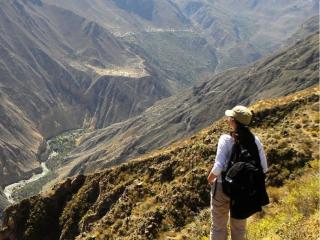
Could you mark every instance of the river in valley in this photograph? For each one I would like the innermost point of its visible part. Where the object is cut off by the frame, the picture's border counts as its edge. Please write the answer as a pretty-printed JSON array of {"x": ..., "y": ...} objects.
[
  {"x": 58, "y": 148},
  {"x": 10, "y": 189}
]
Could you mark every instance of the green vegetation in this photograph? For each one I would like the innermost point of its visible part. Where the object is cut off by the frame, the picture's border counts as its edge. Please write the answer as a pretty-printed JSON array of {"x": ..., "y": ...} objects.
[
  {"x": 33, "y": 188},
  {"x": 60, "y": 145},
  {"x": 294, "y": 212}
]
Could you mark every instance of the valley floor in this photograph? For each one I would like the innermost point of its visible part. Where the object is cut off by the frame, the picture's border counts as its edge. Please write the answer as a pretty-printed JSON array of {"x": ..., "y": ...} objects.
[{"x": 57, "y": 148}]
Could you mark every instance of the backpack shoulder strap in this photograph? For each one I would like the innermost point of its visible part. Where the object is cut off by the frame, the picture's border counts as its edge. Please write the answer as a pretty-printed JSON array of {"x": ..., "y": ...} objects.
[
  {"x": 255, "y": 152},
  {"x": 234, "y": 156}
]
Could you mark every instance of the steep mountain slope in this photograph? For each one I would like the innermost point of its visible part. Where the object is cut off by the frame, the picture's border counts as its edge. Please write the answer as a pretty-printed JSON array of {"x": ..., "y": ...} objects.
[
  {"x": 122, "y": 16},
  {"x": 157, "y": 29},
  {"x": 3, "y": 204},
  {"x": 85, "y": 54},
  {"x": 183, "y": 55},
  {"x": 245, "y": 30},
  {"x": 158, "y": 195},
  {"x": 60, "y": 71},
  {"x": 308, "y": 27},
  {"x": 287, "y": 71},
  {"x": 25, "y": 95},
  {"x": 240, "y": 32}
]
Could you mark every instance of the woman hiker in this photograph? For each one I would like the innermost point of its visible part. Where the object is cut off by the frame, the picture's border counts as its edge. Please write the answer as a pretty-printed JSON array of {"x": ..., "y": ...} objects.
[{"x": 238, "y": 120}]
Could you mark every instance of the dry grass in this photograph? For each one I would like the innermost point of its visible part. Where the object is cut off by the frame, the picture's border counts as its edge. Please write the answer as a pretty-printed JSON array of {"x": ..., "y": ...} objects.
[{"x": 165, "y": 194}]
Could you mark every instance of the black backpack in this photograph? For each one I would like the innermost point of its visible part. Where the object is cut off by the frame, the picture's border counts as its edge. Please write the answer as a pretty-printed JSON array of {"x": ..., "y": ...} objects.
[{"x": 244, "y": 181}]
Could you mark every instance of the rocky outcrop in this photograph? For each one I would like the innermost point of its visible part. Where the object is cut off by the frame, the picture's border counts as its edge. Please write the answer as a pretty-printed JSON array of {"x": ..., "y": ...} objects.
[
  {"x": 49, "y": 206},
  {"x": 3, "y": 204}
]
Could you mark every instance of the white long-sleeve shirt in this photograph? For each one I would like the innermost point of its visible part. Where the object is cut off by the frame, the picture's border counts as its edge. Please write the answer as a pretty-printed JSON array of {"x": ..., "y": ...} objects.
[{"x": 223, "y": 155}]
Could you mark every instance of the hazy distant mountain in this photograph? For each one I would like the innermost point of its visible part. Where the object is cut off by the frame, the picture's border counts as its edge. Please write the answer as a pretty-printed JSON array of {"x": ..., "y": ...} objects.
[
  {"x": 308, "y": 27},
  {"x": 123, "y": 16},
  {"x": 239, "y": 31},
  {"x": 158, "y": 29},
  {"x": 286, "y": 71},
  {"x": 245, "y": 30}
]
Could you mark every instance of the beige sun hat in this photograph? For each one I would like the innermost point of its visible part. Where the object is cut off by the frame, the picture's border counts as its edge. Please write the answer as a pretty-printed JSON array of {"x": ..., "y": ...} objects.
[{"x": 241, "y": 114}]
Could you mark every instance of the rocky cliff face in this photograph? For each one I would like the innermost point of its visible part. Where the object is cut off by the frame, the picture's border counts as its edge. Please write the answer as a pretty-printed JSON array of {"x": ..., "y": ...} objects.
[
  {"x": 59, "y": 71},
  {"x": 159, "y": 194},
  {"x": 287, "y": 71},
  {"x": 3, "y": 204}
]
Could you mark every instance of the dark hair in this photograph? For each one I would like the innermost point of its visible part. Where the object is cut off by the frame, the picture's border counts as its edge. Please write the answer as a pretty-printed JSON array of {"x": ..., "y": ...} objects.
[{"x": 245, "y": 137}]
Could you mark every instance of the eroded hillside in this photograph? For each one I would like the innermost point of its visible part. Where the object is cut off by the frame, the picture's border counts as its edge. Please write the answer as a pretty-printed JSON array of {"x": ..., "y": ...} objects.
[
  {"x": 289, "y": 70},
  {"x": 61, "y": 71},
  {"x": 159, "y": 194}
]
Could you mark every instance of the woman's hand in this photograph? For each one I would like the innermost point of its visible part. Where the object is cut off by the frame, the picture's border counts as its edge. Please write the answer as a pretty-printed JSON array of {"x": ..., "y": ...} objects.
[{"x": 211, "y": 178}]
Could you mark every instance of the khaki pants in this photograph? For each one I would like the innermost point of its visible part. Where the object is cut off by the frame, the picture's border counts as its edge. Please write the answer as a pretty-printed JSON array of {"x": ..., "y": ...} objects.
[{"x": 220, "y": 215}]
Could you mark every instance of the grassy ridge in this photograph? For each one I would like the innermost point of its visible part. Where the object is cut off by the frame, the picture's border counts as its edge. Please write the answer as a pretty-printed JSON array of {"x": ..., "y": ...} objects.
[
  {"x": 293, "y": 213},
  {"x": 163, "y": 193}
]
